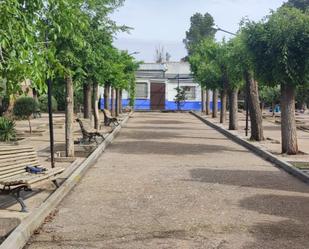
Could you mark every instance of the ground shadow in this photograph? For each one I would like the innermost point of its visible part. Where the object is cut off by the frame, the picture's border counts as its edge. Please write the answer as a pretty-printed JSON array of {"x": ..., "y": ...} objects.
[
  {"x": 165, "y": 128},
  {"x": 293, "y": 207},
  {"x": 165, "y": 121},
  {"x": 291, "y": 233},
  {"x": 271, "y": 128},
  {"x": 287, "y": 234},
  {"x": 8, "y": 201},
  {"x": 168, "y": 148},
  {"x": 247, "y": 178},
  {"x": 164, "y": 135},
  {"x": 57, "y": 147}
]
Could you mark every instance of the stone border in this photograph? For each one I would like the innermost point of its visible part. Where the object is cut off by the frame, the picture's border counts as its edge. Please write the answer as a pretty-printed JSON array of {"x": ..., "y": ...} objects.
[
  {"x": 256, "y": 149},
  {"x": 22, "y": 233}
]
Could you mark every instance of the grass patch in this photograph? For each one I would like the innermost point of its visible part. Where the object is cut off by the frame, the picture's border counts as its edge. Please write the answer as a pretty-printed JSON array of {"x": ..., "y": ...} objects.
[{"x": 300, "y": 165}]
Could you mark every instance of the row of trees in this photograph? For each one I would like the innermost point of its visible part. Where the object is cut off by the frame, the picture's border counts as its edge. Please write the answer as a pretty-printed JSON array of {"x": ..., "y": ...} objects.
[
  {"x": 68, "y": 42},
  {"x": 272, "y": 53}
]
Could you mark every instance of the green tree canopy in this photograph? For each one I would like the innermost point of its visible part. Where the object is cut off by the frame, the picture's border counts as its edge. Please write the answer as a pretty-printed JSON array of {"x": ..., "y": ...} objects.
[
  {"x": 279, "y": 46},
  {"x": 202, "y": 27}
]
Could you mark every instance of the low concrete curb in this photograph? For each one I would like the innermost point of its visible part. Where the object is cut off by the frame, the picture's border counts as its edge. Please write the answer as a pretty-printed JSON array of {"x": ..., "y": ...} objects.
[
  {"x": 258, "y": 150},
  {"x": 19, "y": 237}
]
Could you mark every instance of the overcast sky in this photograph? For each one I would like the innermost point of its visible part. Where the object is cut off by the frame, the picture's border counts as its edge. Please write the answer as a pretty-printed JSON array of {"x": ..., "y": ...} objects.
[{"x": 164, "y": 22}]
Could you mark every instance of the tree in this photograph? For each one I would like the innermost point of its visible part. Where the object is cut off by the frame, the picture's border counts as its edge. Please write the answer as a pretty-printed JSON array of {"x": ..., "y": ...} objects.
[
  {"x": 234, "y": 73},
  {"x": 161, "y": 56},
  {"x": 244, "y": 63},
  {"x": 18, "y": 42},
  {"x": 206, "y": 70},
  {"x": 202, "y": 27},
  {"x": 280, "y": 48},
  {"x": 299, "y": 4},
  {"x": 180, "y": 97},
  {"x": 270, "y": 96},
  {"x": 24, "y": 107}
]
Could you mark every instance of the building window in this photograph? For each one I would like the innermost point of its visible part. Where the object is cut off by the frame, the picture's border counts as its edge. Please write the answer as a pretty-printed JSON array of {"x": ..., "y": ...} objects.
[
  {"x": 190, "y": 92},
  {"x": 141, "y": 90}
]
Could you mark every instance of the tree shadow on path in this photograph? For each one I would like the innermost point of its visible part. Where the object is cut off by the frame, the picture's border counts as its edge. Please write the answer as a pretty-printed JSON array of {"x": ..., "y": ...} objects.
[
  {"x": 168, "y": 148},
  {"x": 248, "y": 178},
  {"x": 164, "y": 135},
  {"x": 290, "y": 233}
]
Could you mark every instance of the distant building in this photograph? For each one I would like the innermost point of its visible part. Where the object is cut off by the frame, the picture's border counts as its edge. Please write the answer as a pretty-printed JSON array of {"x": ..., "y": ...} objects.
[{"x": 156, "y": 85}]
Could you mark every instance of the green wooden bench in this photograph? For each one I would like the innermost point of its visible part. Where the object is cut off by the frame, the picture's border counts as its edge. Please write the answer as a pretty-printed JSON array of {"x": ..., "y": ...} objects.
[{"x": 13, "y": 175}]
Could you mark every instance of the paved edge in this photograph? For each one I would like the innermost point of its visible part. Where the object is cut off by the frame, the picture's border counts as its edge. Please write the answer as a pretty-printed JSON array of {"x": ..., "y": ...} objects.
[
  {"x": 258, "y": 150},
  {"x": 22, "y": 233}
]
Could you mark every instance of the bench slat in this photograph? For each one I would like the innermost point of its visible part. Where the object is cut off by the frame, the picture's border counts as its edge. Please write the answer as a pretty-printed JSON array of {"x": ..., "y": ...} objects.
[
  {"x": 6, "y": 151},
  {"x": 14, "y": 167},
  {"x": 11, "y": 164},
  {"x": 15, "y": 155},
  {"x": 18, "y": 172},
  {"x": 16, "y": 162},
  {"x": 28, "y": 178}
]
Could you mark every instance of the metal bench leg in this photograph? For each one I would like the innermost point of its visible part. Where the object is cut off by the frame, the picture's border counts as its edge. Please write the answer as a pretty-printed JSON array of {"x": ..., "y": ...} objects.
[
  {"x": 56, "y": 183},
  {"x": 21, "y": 202}
]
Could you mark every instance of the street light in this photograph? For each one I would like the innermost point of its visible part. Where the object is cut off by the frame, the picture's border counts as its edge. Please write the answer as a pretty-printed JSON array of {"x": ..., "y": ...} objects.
[
  {"x": 223, "y": 30},
  {"x": 134, "y": 53}
]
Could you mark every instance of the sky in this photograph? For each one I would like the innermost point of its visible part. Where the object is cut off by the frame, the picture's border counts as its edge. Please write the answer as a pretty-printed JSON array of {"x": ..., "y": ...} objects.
[{"x": 164, "y": 22}]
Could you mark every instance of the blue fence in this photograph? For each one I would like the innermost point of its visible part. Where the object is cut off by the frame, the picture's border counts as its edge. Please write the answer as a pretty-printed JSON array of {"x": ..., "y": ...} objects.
[{"x": 144, "y": 104}]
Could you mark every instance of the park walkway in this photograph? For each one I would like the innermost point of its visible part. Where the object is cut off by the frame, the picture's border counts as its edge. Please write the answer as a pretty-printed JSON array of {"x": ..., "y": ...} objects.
[{"x": 169, "y": 181}]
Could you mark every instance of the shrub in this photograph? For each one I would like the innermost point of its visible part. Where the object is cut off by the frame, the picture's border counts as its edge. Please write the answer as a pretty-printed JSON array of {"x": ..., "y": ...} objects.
[
  {"x": 24, "y": 107},
  {"x": 7, "y": 129},
  {"x": 43, "y": 103}
]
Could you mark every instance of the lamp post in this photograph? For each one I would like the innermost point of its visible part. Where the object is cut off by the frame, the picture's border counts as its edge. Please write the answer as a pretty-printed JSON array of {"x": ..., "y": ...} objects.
[
  {"x": 133, "y": 53},
  {"x": 50, "y": 110}
]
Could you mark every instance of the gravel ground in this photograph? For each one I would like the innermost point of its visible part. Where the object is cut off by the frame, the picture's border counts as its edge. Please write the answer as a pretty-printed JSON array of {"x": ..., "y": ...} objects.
[{"x": 169, "y": 181}]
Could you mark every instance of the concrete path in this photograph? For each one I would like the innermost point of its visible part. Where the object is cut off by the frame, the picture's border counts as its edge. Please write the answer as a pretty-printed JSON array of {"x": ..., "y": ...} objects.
[{"x": 169, "y": 181}]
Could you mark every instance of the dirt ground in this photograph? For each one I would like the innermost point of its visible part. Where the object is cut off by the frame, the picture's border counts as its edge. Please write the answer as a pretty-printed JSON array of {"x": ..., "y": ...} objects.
[{"x": 169, "y": 181}]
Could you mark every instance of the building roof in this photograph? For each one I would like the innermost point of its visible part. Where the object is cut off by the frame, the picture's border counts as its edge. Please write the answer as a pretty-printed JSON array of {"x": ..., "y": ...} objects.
[
  {"x": 168, "y": 70},
  {"x": 178, "y": 68},
  {"x": 152, "y": 67}
]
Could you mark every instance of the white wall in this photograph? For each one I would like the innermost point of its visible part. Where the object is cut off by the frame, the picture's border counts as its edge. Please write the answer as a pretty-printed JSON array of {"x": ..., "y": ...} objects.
[{"x": 171, "y": 91}]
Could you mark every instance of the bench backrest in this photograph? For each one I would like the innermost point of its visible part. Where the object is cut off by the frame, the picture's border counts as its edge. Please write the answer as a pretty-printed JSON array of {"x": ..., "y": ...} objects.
[
  {"x": 82, "y": 127},
  {"x": 107, "y": 113},
  {"x": 14, "y": 160}
]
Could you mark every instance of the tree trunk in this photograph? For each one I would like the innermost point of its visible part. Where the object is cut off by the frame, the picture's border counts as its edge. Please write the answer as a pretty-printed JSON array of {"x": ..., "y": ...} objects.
[
  {"x": 35, "y": 95},
  {"x": 223, "y": 106},
  {"x": 87, "y": 100},
  {"x": 203, "y": 100},
  {"x": 29, "y": 123},
  {"x": 120, "y": 101},
  {"x": 207, "y": 102},
  {"x": 117, "y": 102},
  {"x": 106, "y": 96},
  {"x": 69, "y": 116},
  {"x": 215, "y": 104},
  {"x": 233, "y": 108},
  {"x": 95, "y": 105},
  {"x": 288, "y": 123},
  {"x": 256, "y": 117},
  {"x": 273, "y": 106},
  {"x": 113, "y": 107}
]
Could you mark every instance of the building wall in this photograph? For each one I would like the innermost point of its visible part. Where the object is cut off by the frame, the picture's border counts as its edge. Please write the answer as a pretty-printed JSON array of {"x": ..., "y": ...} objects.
[{"x": 144, "y": 104}]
